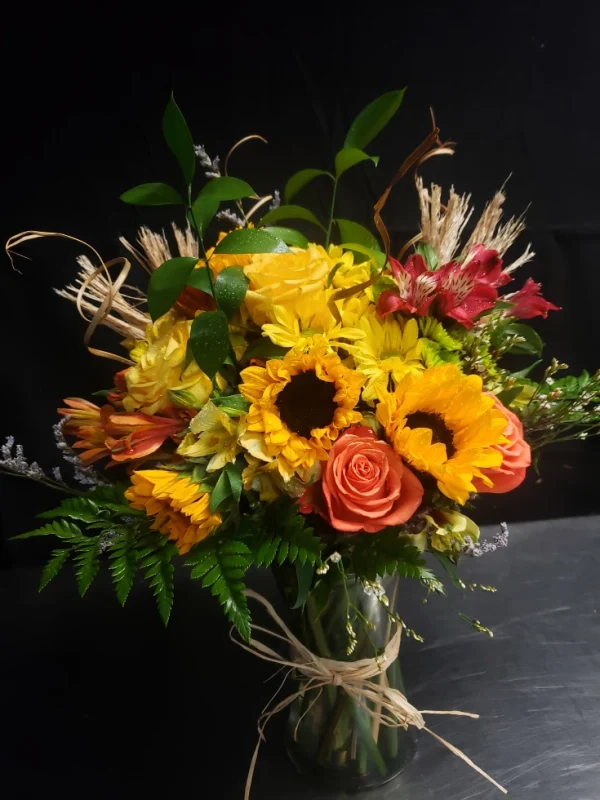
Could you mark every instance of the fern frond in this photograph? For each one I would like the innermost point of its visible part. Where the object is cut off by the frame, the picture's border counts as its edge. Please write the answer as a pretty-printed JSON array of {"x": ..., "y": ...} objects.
[
  {"x": 286, "y": 537},
  {"x": 123, "y": 566},
  {"x": 60, "y": 528},
  {"x": 57, "y": 561},
  {"x": 88, "y": 563},
  {"x": 221, "y": 565},
  {"x": 388, "y": 552},
  {"x": 159, "y": 573},
  {"x": 80, "y": 508}
]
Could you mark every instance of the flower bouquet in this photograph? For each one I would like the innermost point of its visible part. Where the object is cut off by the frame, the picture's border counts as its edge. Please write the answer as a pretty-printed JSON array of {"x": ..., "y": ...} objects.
[{"x": 325, "y": 410}]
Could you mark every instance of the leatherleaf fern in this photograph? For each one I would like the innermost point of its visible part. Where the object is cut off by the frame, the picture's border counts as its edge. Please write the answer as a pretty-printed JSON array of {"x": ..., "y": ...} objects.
[
  {"x": 100, "y": 527},
  {"x": 100, "y": 523}
]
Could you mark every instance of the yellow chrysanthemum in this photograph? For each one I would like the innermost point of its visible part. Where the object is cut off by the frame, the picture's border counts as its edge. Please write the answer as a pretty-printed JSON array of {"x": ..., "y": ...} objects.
[
  {"x": 299, "y": 406},
  {"x": 389, "y": 349},
  {"x": 158, "y": 369},
  {"x": 442, "y": 423},
  {"x": 180, "y": 509},
  {"x": 213, "y": 433}
]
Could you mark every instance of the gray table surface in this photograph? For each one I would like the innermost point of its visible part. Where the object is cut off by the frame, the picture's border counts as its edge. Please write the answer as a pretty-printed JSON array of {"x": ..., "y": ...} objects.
[{"x": 100, "y": 702}]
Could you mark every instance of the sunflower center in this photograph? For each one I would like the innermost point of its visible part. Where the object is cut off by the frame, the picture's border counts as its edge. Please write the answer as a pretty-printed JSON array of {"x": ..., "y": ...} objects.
[
  {"x": 439, "y": 430},
  {"x": 307, "y": 403}
]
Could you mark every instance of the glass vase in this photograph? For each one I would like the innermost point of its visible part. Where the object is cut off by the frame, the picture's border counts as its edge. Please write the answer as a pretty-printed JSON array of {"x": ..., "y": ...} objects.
[{"x": 329, "y": 736}]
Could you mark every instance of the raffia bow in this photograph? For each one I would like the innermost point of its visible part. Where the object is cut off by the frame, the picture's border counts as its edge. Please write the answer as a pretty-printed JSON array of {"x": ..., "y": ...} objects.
[{"x": 393, "y": 709}]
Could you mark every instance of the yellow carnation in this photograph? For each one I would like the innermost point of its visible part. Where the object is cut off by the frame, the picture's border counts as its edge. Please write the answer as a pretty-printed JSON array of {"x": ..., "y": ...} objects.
[{"x": 158, "y": 369}]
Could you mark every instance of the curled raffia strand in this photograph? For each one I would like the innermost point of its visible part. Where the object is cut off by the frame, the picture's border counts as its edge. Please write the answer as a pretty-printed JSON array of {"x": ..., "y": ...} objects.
[{"x": 352, "y": 676}]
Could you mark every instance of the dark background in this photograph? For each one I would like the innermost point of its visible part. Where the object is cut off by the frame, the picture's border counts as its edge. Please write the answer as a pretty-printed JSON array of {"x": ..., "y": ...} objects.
[{"x": 514, "y": 84}]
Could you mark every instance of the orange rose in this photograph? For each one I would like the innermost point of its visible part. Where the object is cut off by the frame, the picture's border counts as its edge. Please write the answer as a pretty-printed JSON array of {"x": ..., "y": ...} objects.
[
  {"x": 516, "y": 457},
  {"x": 365, "y": 487}
]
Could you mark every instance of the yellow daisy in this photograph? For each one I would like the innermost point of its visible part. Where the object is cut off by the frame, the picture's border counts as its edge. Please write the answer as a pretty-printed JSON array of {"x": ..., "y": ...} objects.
[
  {"x": 299, "y": 406},
  {"x": 389, "y": 349},
  {"x": 442, "y": 423},
  {"x": 213, "y": 433},
  {"x": 180, "y": 509}
]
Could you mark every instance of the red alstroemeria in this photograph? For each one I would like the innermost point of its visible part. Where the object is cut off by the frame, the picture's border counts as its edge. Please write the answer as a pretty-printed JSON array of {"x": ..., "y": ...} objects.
[
  {"x": 124, "y": 437},
  {"x": 460, "y": 291},
  {"x": 416, "y": 288},
  {"x": 467, "y": 290},
  {"x": 528, "y": 302}
]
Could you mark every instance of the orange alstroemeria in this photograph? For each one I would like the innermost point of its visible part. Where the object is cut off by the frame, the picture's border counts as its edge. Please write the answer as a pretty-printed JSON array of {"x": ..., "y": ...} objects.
[{"x": 123, "y": 436}]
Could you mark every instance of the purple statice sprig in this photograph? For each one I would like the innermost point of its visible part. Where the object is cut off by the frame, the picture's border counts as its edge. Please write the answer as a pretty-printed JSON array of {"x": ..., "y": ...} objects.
[{"x": 480, "y": 548}]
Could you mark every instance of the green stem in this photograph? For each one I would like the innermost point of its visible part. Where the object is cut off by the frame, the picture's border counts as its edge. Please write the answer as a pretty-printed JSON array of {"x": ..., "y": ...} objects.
[
  {"x": 366, "y": 742},
  {"x": 47, "y": 482},
  {"x": 209, "y": 270},
  {"x": 327, "y": 736},
  {"x": 331, "y": 213}
]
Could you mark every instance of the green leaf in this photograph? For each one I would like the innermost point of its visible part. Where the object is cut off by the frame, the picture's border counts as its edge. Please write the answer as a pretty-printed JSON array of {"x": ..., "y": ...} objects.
[
  {"x": 428, "y": 254},
  {"x": 199, "y": 279},
  {"x": 373, "y": 119},
  {"x": 53, "y": 567},
  {"x": 350, "y": 156},
  {"x": 353, "y": 232},
  {"x": 250, "y": 240},
  {"x": 523, "y": 373},
  {"x": 508, "y": 395},
  {"x": 226, "y": 188},
  {"x": 304, "y": 577},
  {"x": 88, "y": 564},
  {"x": 60, "y": 528},
  {"x": 110, "y": 496},
  {"x": 264, "y": 348},
  {"x": 179, "y": 139},
  {"x": 203, "y": 209},
  {"x": 209, "y": 341},
  {"x": 221, "y": 492},
  {"x": 299, "y": 180},
  {"x": 231, "y": 286},
  {"x": 152, "y": 194},
  {"x": 376, "y": 256},
  {"x": 290, "y": 212},
  {"x": 123, "y": 566},
  {"x": 80, "y": 508},
  {"x": 221, "y": 564},
  {"x": 234, "y": 474},
  {"x": 234, "y": 404},
  {"x": 166, "y": 284},
  {"x": 289, "y": 236},
  {"x": 531, "y": 344}
]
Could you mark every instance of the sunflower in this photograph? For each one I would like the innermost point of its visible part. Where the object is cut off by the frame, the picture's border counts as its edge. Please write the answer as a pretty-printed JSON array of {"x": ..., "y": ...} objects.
[
  {"x": 442, "y": 423},
  {"x": 389, "y": 349},
  {"x": 180, "y": 509},
  {"x": 299, "y": 406}
]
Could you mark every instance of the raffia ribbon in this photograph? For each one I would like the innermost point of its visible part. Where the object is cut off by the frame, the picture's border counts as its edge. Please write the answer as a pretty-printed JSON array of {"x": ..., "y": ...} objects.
[{"x": 351, "y": 676}]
